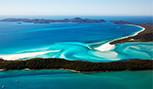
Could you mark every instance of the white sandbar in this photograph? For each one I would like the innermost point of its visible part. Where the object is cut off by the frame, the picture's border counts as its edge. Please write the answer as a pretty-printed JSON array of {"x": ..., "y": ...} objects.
[
  {"x": 108, "y": 46},
  {"x": 23, "y": 55}
]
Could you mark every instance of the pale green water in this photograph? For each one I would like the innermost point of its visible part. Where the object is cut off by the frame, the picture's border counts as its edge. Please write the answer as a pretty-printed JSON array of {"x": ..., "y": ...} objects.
[
  {"x": 60, "y": 79},
  {"x": 74, "y": 40}
]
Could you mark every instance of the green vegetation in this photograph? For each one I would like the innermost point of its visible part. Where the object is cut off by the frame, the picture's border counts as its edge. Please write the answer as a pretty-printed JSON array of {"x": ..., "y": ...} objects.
[
  {"x": 79, "y": 66},
  {"x": 145, "y": 36},
  {"x": 74, "y": 20},
  {"x": 120, "y": 22}
]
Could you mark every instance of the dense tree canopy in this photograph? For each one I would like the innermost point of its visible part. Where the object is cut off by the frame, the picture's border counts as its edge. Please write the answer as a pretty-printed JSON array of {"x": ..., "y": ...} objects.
[{"x": 53, "y": 63}]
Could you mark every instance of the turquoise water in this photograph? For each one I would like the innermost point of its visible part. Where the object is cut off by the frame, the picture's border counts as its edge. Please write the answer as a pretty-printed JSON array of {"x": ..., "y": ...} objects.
[
  {"x": 74, "y": 41},
  {"x": 60, "y": 79}
]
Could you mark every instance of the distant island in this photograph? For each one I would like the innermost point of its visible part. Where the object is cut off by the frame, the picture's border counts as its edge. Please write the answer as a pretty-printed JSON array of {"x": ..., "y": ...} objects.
[
  {"x": 81, "y": 66},
  {"x": 120, "y": 22},
  {"x": 144, "y": 36},
  {"x": 74, "y": 20},
  {"x": 76, "y": 66}
]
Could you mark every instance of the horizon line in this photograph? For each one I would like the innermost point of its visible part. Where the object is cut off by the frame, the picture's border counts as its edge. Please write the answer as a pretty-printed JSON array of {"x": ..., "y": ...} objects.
[{"x": 77, "y": 15}]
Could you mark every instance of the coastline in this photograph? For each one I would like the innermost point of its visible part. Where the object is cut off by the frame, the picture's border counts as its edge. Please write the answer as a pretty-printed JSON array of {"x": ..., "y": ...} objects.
[
  {"x": 23, "y": 55},
  {"x": 27, "y": 69},
  {"x": 108, "y": 46},
  {"x": 144, "y": 35},
  {"x": 138, "y": 31},
  {"x": 119, "y": 66},
  {"x": 105, "y": 47},
  {"x": 76, "y": 66}
]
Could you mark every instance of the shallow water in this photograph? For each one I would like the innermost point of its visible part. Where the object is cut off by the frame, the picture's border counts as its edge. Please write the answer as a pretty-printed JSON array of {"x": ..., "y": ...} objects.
[
  {"x": 74, "y": 41},
  {"x": 61, "y": 79}
]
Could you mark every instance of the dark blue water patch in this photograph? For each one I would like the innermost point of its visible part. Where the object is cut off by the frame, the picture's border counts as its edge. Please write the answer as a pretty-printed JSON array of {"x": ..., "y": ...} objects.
[
  {"x": 74, "y": 41},
  {"x": 71, "y": 39},
  {"x": 36, "y": 35}
]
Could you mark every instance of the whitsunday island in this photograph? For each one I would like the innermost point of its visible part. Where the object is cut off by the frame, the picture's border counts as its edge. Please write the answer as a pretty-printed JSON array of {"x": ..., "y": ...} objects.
[{"x": 73, "y": 41}]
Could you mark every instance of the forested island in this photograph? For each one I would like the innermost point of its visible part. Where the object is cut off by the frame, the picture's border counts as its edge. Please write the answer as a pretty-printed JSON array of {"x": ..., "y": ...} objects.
[
  {"x": 73, "y": 20},
  {"x": 81, "y": 66},
  {"x": 120, "y": 22},
  {"x": 76, "y": 66},
  {"x": 144, "y": 36}
]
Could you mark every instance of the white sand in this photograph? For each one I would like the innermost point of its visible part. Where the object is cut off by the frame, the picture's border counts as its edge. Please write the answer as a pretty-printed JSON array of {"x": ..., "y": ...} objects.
[
  {"x": 108, "y": 46},
  {"x": 105, "y": 47},
  {"x": 23, "y": 55},
  {"x": 138, "y": 31}
]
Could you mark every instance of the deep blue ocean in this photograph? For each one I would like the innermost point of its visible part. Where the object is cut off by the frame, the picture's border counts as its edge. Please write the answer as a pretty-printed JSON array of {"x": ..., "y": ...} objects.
[{"x": 73, "y": 41}]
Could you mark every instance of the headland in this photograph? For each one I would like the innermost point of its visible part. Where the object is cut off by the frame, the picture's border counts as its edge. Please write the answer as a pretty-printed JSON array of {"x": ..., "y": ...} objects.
[
  {"x": 76, "y": 66},
  {"x": 145, "y": 35},
  {"x": 73, "y": 20}
]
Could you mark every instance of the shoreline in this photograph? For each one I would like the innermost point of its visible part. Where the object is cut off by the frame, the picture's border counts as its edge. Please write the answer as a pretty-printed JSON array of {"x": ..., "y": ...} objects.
[
  {"x": 76, "y": 66},
  {"x": 136, "y": 32},
  {"x": 23, "y": 55},
  {"x": 105, "y": 47},
  {"x": 145, "y": 35},
  {"x": 27, "y": 69},
  {"x": 108, "y": 46}
]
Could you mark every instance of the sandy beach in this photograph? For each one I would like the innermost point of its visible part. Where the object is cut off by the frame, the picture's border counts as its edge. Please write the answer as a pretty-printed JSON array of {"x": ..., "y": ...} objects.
[
  {"x": 108, "y": 46},
  {"x": 105, "y": 47},
  {"x": 23, "y": 55}
]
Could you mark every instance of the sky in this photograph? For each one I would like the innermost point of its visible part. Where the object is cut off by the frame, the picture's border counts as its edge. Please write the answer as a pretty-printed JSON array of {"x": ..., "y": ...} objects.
[{"x": 77, "y": 7}]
